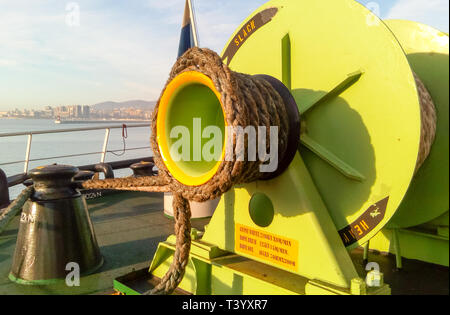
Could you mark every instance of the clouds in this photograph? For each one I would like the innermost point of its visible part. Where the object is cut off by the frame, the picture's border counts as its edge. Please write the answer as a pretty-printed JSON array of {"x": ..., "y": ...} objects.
[
  {"x": 431, "y": 12},
  {"x": 7, "y": 63},
  {"x": 116, "y": 49},
  {"x": 217, "y": 20},
  {"x": 166, "y": 4},
  {"x": 121, "y": 50}
]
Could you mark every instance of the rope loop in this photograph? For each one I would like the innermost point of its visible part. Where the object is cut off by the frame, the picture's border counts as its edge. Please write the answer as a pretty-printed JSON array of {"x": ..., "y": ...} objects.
[{"x": 247, "y": 101}]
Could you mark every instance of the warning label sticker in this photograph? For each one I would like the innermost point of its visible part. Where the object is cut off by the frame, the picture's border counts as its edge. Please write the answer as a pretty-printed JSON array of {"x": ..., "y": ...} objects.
[{"x": 267, "y": 247}]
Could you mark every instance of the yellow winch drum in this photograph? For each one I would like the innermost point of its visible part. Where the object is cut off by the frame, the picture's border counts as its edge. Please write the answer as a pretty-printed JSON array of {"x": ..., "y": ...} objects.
[
  {"x": 191, "y": 95},
  {"x": 191, "y": 103},
  {"x": 356, "y": 92}
]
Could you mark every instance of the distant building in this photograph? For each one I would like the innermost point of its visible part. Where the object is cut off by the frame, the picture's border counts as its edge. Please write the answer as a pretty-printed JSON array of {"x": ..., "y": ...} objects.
[
  {"x": 86, "y": 112},
  {"x": 71, "y": 110},
  {"x": 48, "y": 112},
  {"x": 62, "y": 111},
  {"x": 78, "y": 113},
  {"x": 81, "y": 112}
]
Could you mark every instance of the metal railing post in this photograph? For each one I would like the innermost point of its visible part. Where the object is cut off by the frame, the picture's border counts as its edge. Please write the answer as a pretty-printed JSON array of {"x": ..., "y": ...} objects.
[
  {"x": 27, "y": 154},
  {"x": 28, "y": 160},
  {"x": 105, "y": 145}
]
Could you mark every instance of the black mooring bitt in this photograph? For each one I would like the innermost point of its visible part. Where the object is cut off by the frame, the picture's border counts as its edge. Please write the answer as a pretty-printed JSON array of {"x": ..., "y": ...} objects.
[
  {"x": 57, "y": 214},
  {"x": 4, "y": 190},
  {"x": 105, "y": 169}
]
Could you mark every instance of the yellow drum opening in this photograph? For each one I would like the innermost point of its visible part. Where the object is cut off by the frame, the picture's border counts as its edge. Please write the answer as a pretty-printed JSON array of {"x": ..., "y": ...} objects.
[{"x": 190, "y": 120}]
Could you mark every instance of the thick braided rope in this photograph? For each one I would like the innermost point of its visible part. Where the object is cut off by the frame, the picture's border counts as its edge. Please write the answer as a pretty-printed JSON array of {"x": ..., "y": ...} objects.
[
  {"x": 175, "y": 274},
  {"x": 14, "y": 208},
  {"x": 146, "y": 183},
  {"x": 246, "y": 101},
  {"x": 429, "y": 121}
]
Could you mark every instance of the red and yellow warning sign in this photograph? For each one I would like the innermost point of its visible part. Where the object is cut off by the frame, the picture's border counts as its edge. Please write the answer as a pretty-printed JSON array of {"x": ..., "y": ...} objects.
[{"x": 266, "y": 246}]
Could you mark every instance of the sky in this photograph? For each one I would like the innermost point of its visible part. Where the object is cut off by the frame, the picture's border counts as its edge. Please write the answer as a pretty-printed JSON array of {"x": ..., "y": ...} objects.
[{"x": 55, "y": 52}]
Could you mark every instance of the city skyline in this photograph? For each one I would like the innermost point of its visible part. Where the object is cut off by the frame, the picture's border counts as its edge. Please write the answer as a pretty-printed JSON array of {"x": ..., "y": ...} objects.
[
  {"x": 85, "y": 52},
  {"x": 31, "y": 107},
  {"x": 78, "y": 112}
]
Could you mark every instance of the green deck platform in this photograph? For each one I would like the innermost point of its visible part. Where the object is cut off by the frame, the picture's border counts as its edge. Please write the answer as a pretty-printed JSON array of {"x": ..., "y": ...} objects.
[{"x": 129, "y": 227}]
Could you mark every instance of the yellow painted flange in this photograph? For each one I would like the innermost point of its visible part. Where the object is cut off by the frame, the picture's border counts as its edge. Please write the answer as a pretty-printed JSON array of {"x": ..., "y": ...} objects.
[
  {"x": 188, "y": 96},
  {"x": 358, "y": 100}
]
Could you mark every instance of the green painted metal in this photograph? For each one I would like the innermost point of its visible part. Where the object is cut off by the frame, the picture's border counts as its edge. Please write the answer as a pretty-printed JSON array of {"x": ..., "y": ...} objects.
[
  {"x": 345, "y": 78},
  {"x": 414, "y": 243},
  {"x": 443, "y": 231},
  {"x": 419, "y": 229},
  {"x": 286, "y": 61},
  {"x": 351, "y": 79},
  {"x": 300, "y": 215},
  {"x": 36, "y": 282},
  {"x": 347, "y": 170},
  {"x": 359, "y": 163},
  {"x": 427, "y": 50},
  {"x": 442, "y": 221},
  {"x": 366, "y": 251},
  {"x": 261, "y": 210},
  {"x": 215, "y": 272},
  {"x": 397, "y": 248}
]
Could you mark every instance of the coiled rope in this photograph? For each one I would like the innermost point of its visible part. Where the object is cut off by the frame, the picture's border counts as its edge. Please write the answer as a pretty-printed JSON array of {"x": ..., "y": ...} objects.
[
  {"x": 247, "y": 101},
  {"x": 429, "y": 122}
]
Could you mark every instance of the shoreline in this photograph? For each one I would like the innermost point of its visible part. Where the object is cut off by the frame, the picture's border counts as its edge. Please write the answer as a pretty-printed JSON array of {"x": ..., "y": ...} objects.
[{"x": 63, "y": 122}]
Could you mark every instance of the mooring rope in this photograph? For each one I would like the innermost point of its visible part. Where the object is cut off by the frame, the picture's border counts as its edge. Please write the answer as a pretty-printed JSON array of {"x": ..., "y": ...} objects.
[
  {"x": 247, "y": 101},
  {"x": 14, "y": 208},
  {"x": 429, "y": 122}
]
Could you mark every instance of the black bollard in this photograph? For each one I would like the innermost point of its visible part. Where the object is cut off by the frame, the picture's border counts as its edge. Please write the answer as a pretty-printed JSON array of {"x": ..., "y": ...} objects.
[
  {"x": 84, "y": 176},
  {"x": 143, "y": 169},
  {"x": 106, "y": 169},
  {"x": 55, "y": 230},
  {"x": 4, "y": 190}
]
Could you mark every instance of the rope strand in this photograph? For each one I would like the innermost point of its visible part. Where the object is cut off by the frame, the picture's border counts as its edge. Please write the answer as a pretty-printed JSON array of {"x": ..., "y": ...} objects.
[{"x": 14, "y": 208}]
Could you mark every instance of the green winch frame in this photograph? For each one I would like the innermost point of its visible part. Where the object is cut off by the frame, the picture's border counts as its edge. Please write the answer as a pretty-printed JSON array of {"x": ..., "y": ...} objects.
[{"x": 353, "y": 178}]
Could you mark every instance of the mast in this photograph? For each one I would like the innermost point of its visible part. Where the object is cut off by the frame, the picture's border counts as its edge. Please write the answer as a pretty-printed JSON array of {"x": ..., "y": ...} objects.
[{"x": 193, "y": 23}]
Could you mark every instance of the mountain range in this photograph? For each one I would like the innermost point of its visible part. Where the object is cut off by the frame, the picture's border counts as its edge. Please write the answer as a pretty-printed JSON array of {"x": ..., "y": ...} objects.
[{"x": 138, "y": 104}]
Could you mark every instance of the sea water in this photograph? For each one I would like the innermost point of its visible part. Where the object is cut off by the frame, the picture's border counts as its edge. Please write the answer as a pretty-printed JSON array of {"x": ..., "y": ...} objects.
[{"x": 48, "y": 146}]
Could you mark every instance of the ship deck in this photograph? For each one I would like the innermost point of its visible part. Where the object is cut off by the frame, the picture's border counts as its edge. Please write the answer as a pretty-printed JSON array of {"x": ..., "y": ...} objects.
[{"x": 129, "y": 227}]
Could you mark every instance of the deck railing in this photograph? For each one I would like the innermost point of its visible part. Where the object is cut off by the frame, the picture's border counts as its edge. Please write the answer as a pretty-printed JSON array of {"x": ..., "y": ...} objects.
[
  {"x": 103, "y": 152},
  {"x": 11, "y": 181}
]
